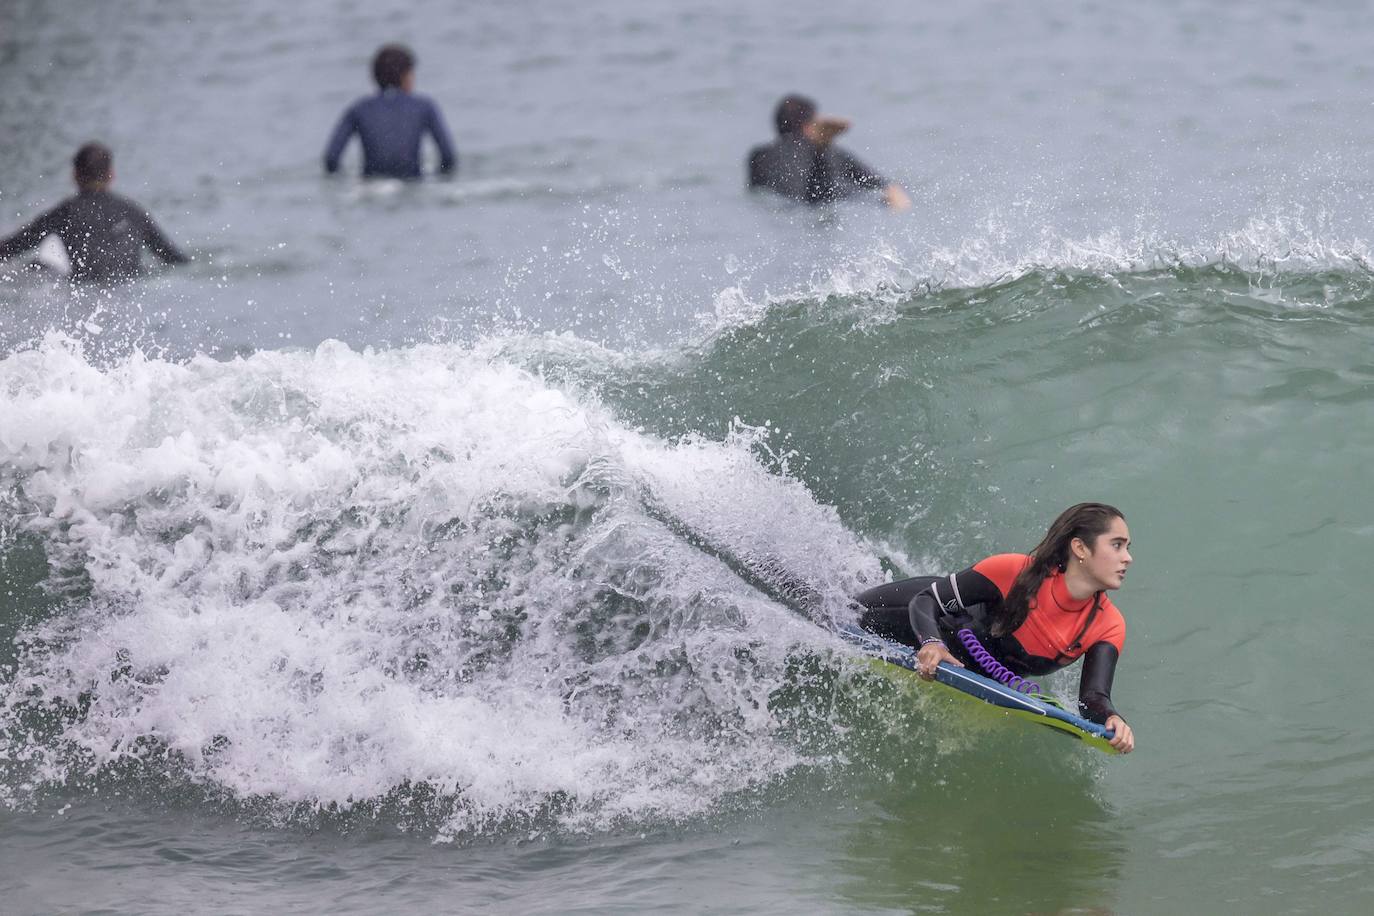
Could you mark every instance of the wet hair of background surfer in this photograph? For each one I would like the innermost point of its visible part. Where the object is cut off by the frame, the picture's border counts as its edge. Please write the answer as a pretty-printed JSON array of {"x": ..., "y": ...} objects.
[
  {"x": 92, "y": 165},
  {"x": 391, "y": 64},
  {"x": 1086, "y": 521},
  {"x": 793, "y": 113}
]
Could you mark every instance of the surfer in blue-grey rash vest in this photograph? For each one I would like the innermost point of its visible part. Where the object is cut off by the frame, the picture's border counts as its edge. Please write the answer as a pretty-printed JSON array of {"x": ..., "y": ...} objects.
[
  {"x": 104, "y": 233},
  {"x": 805, "y": 165},
  {"x": 1032, "y": 613},
  {"x": 392, "y": 123}
]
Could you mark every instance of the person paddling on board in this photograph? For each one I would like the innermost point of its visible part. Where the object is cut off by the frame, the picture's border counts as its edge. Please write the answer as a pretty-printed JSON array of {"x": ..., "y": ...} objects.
[
  {"x": 1034, "y": 613},
  {"x": 104, "y": 234},
  {"x": 804, "y": 164},
  {"x": 392, "y": 123}
]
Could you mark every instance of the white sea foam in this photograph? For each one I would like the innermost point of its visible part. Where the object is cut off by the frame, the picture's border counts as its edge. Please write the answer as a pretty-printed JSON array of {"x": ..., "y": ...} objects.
[{"x": 318, "y": 577}]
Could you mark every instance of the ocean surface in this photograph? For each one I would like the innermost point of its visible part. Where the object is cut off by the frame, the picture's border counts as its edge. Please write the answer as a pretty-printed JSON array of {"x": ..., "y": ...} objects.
[{"x": 473, "y": 545}]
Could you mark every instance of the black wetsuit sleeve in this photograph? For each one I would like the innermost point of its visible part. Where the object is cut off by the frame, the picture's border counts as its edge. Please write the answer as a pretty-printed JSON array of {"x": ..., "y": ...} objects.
[
  {"x": 1095, "y": 686},
  {"x": 345, "y": 129},
  {"x": 29, "y": 237},
  {"x": 961, "y": 590},
  {"x": 448, "y": 156},
  {"x": 855, "y": 172},
  {"x": 159, "y": 244}
]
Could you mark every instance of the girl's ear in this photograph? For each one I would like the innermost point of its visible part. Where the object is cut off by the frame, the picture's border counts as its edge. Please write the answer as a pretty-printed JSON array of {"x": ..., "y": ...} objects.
[{"x": 1079, "y": 549}]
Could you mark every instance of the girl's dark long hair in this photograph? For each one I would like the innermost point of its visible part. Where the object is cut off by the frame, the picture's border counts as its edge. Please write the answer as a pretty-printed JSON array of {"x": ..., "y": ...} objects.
[{"x": 1086, "y": 521}]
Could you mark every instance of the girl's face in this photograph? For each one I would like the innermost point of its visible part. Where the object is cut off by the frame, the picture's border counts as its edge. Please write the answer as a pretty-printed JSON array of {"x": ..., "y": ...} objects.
[{"x": 1106, "y": 562}]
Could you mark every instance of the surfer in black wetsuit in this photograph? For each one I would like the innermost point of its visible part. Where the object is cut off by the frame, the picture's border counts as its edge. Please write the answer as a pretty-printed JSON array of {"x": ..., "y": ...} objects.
[
  {"x": 1033, "y": 613},
  {"x": 805, "y": 165},
  {"x": 392, "y": 123},
  {"x": 104, "y": 233}
]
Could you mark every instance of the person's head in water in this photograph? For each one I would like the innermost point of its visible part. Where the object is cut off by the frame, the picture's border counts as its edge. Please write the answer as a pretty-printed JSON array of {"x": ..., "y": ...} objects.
[
  {"x": 93, "y": 167},
  {"x": 393, "y": 67},
  {"x": 1090, "y": 537},
  {"x": 792, "y": 115}
]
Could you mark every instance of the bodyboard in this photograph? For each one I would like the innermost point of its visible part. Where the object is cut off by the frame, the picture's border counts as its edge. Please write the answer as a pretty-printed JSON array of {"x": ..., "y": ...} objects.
[{"x": 898, "y": 662}]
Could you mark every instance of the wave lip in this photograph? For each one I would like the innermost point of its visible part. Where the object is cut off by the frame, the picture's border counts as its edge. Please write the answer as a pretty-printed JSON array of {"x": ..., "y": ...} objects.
[{"x": 877, "y": 287}]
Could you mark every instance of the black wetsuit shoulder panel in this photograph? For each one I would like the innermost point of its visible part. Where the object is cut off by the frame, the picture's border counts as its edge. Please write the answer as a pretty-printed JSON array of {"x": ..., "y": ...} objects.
[{"x": 799, "y": 169}]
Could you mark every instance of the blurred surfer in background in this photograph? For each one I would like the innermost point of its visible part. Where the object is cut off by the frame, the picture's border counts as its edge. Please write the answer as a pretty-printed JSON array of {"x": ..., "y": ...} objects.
[
  {"x": 804, "y": 164},
  {"x": 1032, "y": 613},
  {"x": 392, "y": 123},
  {"x": 104, "y": 234}
]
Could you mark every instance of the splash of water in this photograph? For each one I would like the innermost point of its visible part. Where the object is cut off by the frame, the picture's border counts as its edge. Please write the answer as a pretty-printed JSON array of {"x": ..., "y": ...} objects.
[{"x": 317, "y": 577}]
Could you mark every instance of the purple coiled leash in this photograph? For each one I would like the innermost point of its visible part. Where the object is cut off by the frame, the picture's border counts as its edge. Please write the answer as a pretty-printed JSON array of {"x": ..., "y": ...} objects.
[{"x": 995, "y": 669}]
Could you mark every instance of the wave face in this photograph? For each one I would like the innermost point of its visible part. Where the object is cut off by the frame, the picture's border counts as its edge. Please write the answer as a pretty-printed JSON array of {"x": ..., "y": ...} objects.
[{"x": 323, "y": 577}]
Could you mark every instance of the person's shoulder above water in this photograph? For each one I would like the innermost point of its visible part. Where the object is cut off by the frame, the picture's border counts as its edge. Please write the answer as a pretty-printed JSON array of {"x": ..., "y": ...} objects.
[
  {"x": 391, "y": 100},
  {"x": 108, "y": 201},
  {"x": 757, "y": 161},
  {"x": 782, "y": 165}
]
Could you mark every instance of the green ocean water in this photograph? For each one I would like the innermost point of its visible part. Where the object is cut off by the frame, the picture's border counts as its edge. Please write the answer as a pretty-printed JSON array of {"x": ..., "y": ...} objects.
[
  {"x": 1226, "y": 412},
  {"x": 1213, "y": 404}
]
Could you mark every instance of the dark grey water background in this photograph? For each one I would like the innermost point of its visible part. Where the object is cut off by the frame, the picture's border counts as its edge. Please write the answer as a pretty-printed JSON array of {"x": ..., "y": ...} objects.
[{"x": 1137, "y": 269}]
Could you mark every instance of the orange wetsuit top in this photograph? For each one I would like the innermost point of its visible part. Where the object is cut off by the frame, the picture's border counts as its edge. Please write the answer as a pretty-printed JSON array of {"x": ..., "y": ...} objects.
[{"x": 1057, "y": 631}]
